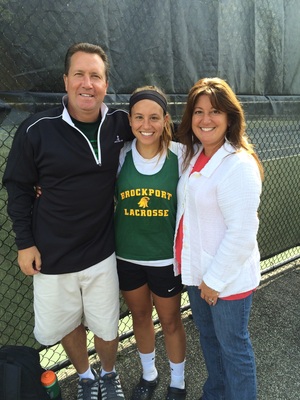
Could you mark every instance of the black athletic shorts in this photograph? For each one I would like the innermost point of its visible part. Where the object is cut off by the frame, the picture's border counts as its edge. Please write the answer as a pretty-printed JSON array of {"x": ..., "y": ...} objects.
[{"x": 161, "y": 280}]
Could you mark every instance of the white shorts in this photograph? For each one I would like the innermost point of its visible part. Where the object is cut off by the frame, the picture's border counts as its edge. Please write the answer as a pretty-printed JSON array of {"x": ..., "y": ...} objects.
[{"x": 63, "y": 302}]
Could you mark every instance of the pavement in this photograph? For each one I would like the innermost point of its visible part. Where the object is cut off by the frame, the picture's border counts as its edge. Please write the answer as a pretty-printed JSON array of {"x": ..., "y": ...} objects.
[{"x": 275, "y": 334}]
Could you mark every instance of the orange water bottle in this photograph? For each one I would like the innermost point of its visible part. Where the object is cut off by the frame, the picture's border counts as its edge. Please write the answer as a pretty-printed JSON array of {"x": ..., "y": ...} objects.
[{"x": 50, "y": 383}]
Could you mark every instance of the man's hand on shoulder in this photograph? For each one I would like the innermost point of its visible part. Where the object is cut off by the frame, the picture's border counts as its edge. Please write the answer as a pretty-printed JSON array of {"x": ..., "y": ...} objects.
[{"x": 29, "y": 260}]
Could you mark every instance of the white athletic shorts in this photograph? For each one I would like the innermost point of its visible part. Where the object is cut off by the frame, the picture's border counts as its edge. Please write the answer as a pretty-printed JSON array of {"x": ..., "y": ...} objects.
[{"x": 63, "y": 302}]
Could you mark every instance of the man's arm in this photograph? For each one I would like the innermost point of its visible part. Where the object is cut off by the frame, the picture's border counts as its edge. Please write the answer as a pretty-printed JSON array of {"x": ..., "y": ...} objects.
[
  {"x": 29, "y": 260},
  {"x": 19, "y": 178},
  {"x": 19, "y": 209}
]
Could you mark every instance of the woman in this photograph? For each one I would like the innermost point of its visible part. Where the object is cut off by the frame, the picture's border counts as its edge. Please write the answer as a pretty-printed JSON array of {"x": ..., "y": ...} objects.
[
  {"x": 145, "y": 219},
  {"x": 216, "y": 246}
]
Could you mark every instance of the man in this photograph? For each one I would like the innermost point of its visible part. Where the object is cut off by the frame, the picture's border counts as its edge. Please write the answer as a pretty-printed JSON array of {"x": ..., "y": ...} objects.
[{"x": 65, "y": 237}]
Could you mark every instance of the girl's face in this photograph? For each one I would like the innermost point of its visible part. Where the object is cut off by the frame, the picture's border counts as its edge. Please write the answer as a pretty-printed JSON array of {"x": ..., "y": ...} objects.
[
  {"x": 209, "y": 125},
  {"x": 147, "y": 121}
]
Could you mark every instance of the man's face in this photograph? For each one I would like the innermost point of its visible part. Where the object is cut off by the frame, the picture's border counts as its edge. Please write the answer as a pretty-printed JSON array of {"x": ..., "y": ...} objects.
[{"x": 86, "y": 86}]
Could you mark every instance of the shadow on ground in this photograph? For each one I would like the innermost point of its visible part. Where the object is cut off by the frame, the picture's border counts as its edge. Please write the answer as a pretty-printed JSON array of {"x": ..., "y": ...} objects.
[{"x": 275, "y": 333}]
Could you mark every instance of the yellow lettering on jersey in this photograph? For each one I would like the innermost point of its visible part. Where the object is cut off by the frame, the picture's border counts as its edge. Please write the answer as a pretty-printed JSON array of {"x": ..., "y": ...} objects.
[
  {"x": 146, "y": 213},
  {"x": 125, "y": 195},
  {"x": 144, "y": 192}
]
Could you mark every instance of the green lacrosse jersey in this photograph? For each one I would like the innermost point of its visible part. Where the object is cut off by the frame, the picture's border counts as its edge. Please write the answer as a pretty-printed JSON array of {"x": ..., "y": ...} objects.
[{"x": 145, "y": 213}]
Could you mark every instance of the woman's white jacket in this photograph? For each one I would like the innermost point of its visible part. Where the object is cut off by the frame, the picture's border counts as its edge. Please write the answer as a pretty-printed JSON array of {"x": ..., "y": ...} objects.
[{"x": 220, "y": 222}]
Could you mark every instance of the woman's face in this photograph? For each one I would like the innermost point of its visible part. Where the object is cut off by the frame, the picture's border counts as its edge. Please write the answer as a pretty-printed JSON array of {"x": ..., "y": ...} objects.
[
  {"x": 209, "y": 125},
  {"x": 147, "y": 121}
]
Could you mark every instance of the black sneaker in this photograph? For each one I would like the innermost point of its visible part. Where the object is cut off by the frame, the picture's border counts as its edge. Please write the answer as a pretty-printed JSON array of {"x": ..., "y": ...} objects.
[
  {"x": 110, "y": 387},
  {"x": 88, "y": 389},
  {"x": 176, "y": 394},
  {"x": 144, "y": 389}
]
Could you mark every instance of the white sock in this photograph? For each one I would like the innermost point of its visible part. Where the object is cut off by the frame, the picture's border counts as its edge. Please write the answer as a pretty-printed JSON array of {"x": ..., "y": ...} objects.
[
  {"x": 177, "y": 375},
  {"x": 87, "y": 374},
  {"x": 148, "y": 365},
  {"x": 103, "y": 372}
]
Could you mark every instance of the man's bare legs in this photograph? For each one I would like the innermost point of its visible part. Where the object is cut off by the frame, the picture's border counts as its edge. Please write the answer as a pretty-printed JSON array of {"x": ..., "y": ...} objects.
[
  {"x": 75, "y": 346},
  {"x": 107, "y": 352}
]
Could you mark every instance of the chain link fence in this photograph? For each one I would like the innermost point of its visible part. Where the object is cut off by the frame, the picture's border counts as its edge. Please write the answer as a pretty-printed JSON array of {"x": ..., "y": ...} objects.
[
  {"x": 276, "y": 137},
  {"x": 170, "y": 43}
]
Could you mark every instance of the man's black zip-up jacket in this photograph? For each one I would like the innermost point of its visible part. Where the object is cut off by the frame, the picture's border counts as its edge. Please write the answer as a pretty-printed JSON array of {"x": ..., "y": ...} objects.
[{"x": 71, "y": 223}]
